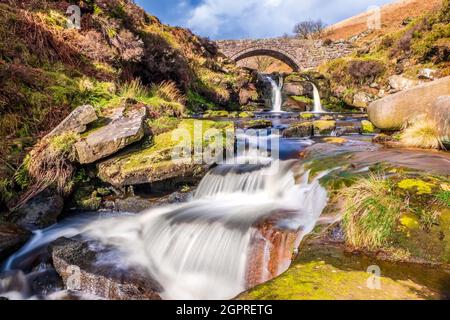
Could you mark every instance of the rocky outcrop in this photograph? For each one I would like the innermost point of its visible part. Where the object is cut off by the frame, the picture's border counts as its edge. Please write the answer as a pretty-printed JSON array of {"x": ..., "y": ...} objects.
[
  {"x": 299, "y": 130},
  {"x": 12, "y": 237},
  {"x": 362, "y": 99},
  {"x": 86, "y": 268},
  {"x": 155, "y": 163},
  {"x": 40, "y": 212},
  {"x": 393, "y": 111},
  {"x": 400, "y": 83},
  {"x": 76, "y": 121},
  {"x": 113, "y": 137}
]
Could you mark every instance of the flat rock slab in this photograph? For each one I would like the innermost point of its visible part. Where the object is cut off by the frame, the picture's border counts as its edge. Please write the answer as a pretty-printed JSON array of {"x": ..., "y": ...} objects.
[
  {"x": 76, "y": 121},
  {"x": 95, "y": 270},
  {"x": 113, "y": 137},
  {"x": 12, "y": 237},
  {"x": 325, "y": 272}
]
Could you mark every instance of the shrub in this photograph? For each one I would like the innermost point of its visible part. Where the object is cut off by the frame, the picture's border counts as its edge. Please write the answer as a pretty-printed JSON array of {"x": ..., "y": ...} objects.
[{"x": 365, "y": 71}]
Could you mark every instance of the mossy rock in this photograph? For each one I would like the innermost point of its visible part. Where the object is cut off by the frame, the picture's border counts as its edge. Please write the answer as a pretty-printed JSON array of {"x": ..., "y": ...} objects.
[
  {"x": 257, "y": 124},
  {"x": 303, "y": 99},
  {"x": 335, "y": 140},
  {"x": 299, "y": 130},
  {"x": 152, "y": 163},
  {"x": 246, "y": 114},
  {"x": 367, "y": 127},
  {"x": 211, "y": 114},
  {"x": 325, "y": 272},
  {"x": 324, "y": 127},
  {"x": 306, "y": 116},
  {"x": 425, "y": 244}
]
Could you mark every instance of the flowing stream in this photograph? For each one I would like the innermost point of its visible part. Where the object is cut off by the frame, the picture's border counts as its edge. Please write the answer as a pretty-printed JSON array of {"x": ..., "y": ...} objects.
[{"x": 214, "y": 246}]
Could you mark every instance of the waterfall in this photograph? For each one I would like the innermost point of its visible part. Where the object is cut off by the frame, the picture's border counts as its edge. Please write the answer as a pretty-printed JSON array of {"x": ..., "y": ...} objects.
[
  {"x": 208, "y": 248},
  {"x": 317, "y": 103},
  {"x": 239, "y": 230},
  {"x": 277, "y": 99}
]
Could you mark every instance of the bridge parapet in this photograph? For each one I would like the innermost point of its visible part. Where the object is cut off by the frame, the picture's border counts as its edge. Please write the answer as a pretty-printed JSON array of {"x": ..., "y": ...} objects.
[{"x": 297, "y": 53}]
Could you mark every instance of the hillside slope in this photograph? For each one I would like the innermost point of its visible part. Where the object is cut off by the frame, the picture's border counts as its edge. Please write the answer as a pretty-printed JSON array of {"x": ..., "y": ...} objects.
[
  {"x": 392, "y": 17},
  {"x": 121, "y": 52}
]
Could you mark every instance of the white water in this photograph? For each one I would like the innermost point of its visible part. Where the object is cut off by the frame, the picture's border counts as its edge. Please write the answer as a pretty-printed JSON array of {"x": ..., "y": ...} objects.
[
  {"x": 199, "y": 250},
  {"x": 317, "y": 103},
  {"x": 277, "y": 99}
]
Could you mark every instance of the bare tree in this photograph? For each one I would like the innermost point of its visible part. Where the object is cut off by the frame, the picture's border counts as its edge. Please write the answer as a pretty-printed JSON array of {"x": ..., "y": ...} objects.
[{"x": 310, "y": 29}]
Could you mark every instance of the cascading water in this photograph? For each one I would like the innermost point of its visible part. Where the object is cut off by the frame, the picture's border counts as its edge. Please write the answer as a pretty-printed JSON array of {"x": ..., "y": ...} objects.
[
  {"x": 208, "y": 248},
  {"x": 317, "y": 103},
  {"x": 277, "y": 99},
  {"x": 202, "y": 249}
]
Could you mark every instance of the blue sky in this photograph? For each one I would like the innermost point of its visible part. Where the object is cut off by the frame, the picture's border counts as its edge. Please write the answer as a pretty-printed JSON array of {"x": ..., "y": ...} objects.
[{"x": 238, "y": 19}]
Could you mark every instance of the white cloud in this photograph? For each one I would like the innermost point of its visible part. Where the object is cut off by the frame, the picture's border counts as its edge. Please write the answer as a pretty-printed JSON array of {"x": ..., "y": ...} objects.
[{"x": 266, "y": 18}]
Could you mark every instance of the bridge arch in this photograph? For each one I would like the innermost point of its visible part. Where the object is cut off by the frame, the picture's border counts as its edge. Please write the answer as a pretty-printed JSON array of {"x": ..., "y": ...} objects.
[{"x": 273, "y": 52}]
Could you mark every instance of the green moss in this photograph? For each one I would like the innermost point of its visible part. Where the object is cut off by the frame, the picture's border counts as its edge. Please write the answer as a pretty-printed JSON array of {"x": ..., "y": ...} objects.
[
  {"x": 163, "y": 124},
  {"x": 306, "y": 116},
  {"x": 63, "y": 143},
  {"x": 444, "y": 197},
  {"x": 257, "y": 124},
  {"x": 216, "y": 114},
  {"x": 246, "y": 114},
  {"x": 418, "y": 186},
  {"x": 326, "y": 273},
  {"x": 303, "y": 99},
  {"x": 163, "y": 144},
  {"x": 324, "y": 127},
  {"x": 197, "y": 102},
  {"x": 367, "y": 127}
]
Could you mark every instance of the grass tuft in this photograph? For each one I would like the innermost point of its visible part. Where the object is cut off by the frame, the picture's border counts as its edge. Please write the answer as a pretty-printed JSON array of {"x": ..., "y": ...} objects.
[
  {"x": 371, "y": 212},
  {"x": 422, "y": 132}
]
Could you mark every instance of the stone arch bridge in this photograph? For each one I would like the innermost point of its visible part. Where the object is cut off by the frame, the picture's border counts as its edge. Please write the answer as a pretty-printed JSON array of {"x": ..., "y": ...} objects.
[{"x": 296, "y": 53}]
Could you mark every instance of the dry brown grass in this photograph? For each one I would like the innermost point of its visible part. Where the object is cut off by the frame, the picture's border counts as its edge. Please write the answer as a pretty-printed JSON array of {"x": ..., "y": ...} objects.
[
  {"x": 168, "y": 91},
  {"x": 50, "y": 164},
  {"x": 421, "y": 132},
  {"x": 392, "y": 16}
]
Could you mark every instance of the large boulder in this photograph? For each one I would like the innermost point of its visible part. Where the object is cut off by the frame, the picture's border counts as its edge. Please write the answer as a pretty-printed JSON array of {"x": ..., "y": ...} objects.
[
  {"x": 441, "y": 114},
  {"x": 40, "y": 212},
  {"x": 99, "y": 271},
  {"x": 12, "y": 237},
  {"x": 118, "y": 134},
  {"x": 393, "y": 111},
  {"x": 76, "y": 121}
]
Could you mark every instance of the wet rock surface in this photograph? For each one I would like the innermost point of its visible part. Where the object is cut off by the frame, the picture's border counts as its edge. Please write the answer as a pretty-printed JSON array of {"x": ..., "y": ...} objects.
[
  {"x": 12, "y": 237},
  {"x": 39, "y": 212},
  {"x": 97, "y": 271}
]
